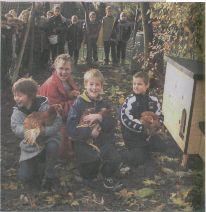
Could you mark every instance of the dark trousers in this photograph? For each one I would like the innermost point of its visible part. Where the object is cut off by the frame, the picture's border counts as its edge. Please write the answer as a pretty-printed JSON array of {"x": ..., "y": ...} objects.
[
  {"x": 57, "y": 49},
  {"x": 54, "y": 51},
  {"x": 91, "y": 162},
  {"x": 138, "y": 149},
  {"x": 121, "y": 50},
  {"x": 31, "y": 168},
  {"x": 107, "y": 46},
  {"x": 92, "y": 50},
  {"x": 74, "y": 52}
]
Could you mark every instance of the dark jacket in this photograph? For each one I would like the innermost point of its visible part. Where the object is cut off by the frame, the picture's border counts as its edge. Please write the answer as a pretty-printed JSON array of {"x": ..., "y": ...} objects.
[
  {"x": 75, "y": 35},
  {"x": 56, "y": 26},
  {"x": 132, "y": 108},
  {"x": 92, "y": 29},
  {"x": 123, "y": 30},
  {"x": 83, "y": 134}
]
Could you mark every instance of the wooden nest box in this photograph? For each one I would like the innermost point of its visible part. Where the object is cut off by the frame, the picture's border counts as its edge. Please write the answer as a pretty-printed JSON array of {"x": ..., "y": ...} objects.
[{"x": 184, "y": 104}]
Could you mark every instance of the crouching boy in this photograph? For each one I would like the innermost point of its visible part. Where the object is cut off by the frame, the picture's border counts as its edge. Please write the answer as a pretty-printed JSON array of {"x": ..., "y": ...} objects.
[
  {"x": 24, "y": 91},
  {"x": 93, "y": 132},
  {"x": 136, "y": 140}
]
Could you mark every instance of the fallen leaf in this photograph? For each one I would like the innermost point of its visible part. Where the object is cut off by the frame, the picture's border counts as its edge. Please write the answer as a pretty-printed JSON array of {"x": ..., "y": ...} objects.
[
  {"x": 121, "y": 100},
  {"x": 9, "y": 186},
  {"x": 167, "y": 171},
  {"x": 183, "y": 174},
  {"x": 145, "y": 192},
  {"x": 149, "y": 182},
  {"x": 52, "y": 199},
  {"x": 125, "y": 193},
  {"x": 75, "y": 203}
]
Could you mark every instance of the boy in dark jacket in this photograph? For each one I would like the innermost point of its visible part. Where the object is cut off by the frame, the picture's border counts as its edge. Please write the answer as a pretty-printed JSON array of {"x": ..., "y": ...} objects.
[
  {"x": 123, "y": 30},
  {"x": 74, "y": 38},
  {"x": 92, "y": 29},
  {"x": 132, "y": 129},
  {"x": 94, "y": 147},
  {"x": 24, "y": 91}
]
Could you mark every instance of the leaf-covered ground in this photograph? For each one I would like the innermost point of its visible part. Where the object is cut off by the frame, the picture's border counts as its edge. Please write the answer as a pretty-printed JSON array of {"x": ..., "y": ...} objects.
[{"x": 158, "y": 185}]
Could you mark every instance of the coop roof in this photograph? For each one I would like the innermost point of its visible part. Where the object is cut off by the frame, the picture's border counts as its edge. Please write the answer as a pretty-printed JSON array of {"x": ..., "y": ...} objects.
[{"x": 192, "y": 68}]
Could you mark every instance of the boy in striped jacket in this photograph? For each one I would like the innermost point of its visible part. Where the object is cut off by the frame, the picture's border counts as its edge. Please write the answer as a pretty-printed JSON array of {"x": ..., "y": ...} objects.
[{"x": 138, "y": 146}]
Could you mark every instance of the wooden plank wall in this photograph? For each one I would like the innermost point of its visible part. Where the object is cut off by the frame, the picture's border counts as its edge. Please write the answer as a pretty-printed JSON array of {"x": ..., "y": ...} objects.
[{"x": 198, "y": 115}]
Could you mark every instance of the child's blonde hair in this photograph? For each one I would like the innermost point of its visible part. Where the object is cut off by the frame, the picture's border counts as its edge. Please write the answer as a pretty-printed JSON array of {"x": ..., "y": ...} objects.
[
  {"x": 62, "y": 58},
  {"x": 123, "y": 14},
  {"x": 108, "y": 8},
  {"x": 93, "y": 73},
  {"x": 27, "y": 86},
  {"x": 142, "y": 75}
]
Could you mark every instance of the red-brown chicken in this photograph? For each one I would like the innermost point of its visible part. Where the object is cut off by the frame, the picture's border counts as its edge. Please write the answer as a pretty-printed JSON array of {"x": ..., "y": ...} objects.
[
  {"x": 104, "y": 112},
  {"x": 36, "y": 121},
  {"x": 151, "y": 123}
]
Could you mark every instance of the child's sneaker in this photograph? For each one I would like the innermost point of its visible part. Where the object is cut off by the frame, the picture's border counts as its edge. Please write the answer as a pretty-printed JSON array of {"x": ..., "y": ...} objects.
[{"x": 111, "y": 185}]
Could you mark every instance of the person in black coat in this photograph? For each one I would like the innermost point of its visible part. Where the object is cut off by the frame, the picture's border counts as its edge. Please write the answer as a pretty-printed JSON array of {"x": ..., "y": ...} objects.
[
  {"x": 57, "y": 26},
  {"x": 74, "y": 37},
  {"x": 123, "y": 32},
  {"x": 92, "y": 28}
]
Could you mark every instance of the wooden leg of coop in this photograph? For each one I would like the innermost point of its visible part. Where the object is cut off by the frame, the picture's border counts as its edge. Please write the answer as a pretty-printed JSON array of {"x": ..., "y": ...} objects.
[{"x": 184, "y": 160}]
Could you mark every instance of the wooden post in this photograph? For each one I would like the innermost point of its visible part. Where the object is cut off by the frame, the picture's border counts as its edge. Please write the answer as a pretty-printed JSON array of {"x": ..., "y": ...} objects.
[
  {"x": 31, "y": 52},
  {"x": 145, "y": 30},
  {"x": 20, "y": 56}
]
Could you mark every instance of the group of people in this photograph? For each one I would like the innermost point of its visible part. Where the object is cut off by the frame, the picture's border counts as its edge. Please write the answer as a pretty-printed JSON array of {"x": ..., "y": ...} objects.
[
  {"x": 13, "y": 28},
  {"x": 114, "y": 34},
  {"x": 55, "y": 34},
  {"x": 86, "y": 124}
]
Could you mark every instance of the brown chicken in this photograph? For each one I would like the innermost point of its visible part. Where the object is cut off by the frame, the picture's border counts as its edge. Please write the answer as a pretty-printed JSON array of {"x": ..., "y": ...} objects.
[
  {"x": 104, "y": 112},
  {"x": 151, "y": 123},
  {"x": 36, "y": 121}
]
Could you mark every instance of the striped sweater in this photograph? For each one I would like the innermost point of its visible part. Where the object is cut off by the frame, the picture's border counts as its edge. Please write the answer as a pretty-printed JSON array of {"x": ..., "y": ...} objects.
[{"x": 134, "y": 105}]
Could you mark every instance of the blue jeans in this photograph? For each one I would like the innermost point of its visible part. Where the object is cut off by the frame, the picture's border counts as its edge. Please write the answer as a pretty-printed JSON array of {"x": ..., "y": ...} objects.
[{"x": 29, "y": 169}]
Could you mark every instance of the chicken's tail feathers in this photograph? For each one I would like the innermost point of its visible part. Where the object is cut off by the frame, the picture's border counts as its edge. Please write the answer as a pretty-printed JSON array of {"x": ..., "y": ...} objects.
[{"x": 31, "y": 135}]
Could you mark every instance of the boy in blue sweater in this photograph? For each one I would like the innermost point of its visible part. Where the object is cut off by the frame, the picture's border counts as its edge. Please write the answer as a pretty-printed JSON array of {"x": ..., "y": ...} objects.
[{"x": 94, "y": 147}]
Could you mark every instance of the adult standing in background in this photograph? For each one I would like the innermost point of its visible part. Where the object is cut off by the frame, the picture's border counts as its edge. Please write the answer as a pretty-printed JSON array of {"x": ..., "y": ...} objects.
[{"x": 57, "y": 27}]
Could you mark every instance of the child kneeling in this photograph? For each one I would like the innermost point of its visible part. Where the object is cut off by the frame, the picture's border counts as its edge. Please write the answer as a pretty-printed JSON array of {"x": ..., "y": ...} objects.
[
  {"x": 136, "y": 140},
  {"x": 24, "y": 91},
  {"x": 94, "y": 146}
]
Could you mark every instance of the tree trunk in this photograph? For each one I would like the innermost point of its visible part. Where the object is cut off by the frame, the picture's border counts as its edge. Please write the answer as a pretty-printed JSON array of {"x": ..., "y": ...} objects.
[
  {"x": 20, "y": 56},
  {"x": 147, "y": 28},
  {"x": 31, "y": 53}
]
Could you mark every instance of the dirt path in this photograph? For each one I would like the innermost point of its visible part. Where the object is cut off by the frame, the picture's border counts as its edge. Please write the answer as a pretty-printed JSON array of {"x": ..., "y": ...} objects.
[{"x": 158, "y": 185}]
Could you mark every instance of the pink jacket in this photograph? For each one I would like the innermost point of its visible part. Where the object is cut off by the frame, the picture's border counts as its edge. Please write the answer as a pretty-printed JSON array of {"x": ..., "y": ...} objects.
[{"x": 54, "y": 90}]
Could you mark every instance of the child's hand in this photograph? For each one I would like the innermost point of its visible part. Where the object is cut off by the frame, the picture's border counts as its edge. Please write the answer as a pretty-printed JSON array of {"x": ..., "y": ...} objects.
[
  {"x": 91, "y": 118},
  {"x": 73, "y": 94},
  {"x": 96, "y": 131}
]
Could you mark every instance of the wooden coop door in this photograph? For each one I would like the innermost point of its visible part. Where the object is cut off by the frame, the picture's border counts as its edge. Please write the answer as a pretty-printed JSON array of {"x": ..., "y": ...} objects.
[{"x": 177, "y": 99}]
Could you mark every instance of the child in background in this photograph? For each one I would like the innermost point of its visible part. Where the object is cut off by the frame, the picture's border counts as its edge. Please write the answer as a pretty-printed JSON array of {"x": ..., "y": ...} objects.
[
  {"x": 132, "y": 129},
  {"x": 123, "y": 30},
  {"x": 109, "y": 37},
  {"x": 104, "y": 157},
  {"x": 57, "y": 26},
  {"x": 92, "y": 29},
  {"x": 24, "y": 91},
  {"x": 60, "y": 88},
  {"x": 74, "y": 37}
]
